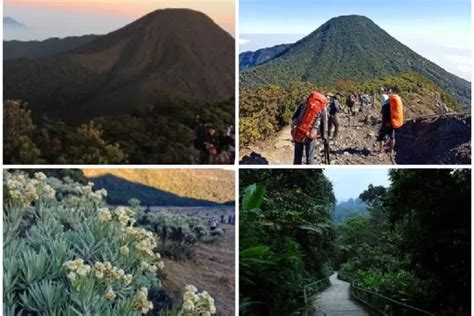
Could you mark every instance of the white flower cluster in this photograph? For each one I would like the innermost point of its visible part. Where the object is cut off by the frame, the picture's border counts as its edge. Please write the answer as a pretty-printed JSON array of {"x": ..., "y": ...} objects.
[
  {"x": 141, "y": 302},
  {"x": 87, "y": 192},
  {"x": 20, "y": 188},
  {"x": 142, "y": 240},
  {"x": 108, "y": 274},
  {"x": 103, "y": 271},
  {"x": 124, "y": 215},
  {"x": 195, "y": 303}
]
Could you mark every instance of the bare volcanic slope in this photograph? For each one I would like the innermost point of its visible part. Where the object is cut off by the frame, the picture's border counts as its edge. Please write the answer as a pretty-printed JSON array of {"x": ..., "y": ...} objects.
[
  {"x": 350, "y": 48},
  {"x": 211, "y": 185},
  {"x": 168, "y": 55}
]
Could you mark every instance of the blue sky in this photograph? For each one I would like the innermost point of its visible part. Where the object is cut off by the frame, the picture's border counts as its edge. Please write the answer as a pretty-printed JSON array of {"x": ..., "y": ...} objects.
[
  {"x": 439, "y": 30},
  {"x": 350, "y": 182}
]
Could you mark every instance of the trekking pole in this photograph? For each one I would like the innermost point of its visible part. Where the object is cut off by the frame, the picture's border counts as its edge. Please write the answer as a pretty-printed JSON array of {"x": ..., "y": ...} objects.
[{"x": 327, "y": 159}]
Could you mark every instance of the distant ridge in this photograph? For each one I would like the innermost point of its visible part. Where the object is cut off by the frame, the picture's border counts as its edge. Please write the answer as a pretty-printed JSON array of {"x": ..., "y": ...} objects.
[
  {"x": 120, "y": 191},
  {"x": 40, "y": 49},
  {"x": 212, "y": 185},
  {"x": 251, "y": 59},
  {"x": 11, "y": 22}
]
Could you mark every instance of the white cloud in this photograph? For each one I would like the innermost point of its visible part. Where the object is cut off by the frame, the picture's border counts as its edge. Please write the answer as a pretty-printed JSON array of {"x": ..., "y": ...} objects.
[{"x": 243, "y": 41}]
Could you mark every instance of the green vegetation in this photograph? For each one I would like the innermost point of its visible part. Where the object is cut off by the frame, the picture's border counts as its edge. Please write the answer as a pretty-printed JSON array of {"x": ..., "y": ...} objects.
[
  {"x": 350, "y": 48},
  {"x": 408, "y": 83},
  {"x": 65, "y": 253},
  {"x": 177, "y": 233},
  {"x": 285, "y": 238},
  {"x": 159, "y": 135},
  {"x": 413, "y": 246},
  {"x": 268, "y": 109}
]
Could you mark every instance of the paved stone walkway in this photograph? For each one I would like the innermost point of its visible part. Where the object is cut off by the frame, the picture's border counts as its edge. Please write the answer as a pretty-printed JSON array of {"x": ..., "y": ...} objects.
[{"x": 335, "y": 301}]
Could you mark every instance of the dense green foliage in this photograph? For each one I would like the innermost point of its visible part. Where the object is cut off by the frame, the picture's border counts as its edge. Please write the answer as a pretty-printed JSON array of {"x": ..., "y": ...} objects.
[
  {"x": 155, "y": 134},
  {"x": 346, "y": 210},
  {"x": 64, "y": 253},
  {"x": 415, "y": 244},
  {"x": 350, "y": 48},
  {"x": 269, "y": 109},
  {"x": 285, "y": 237}
]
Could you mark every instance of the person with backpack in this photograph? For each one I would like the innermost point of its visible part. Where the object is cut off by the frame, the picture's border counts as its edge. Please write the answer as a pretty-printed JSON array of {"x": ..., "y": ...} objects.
[
  {"x": 309, "y": 116},
  {"x": 392, "y": 119},
  {"x": 333, "y": 108},
  {"x": 350, "y": 102}
]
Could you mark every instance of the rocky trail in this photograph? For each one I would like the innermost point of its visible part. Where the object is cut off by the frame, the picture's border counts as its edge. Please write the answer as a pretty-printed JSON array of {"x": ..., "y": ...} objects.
[
  {"x": 355, "y": 144},
  {"x": 428, "y": 139}
]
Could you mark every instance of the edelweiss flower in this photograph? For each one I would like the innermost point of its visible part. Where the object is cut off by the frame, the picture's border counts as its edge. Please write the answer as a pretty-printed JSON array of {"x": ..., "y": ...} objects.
[
  {"x": 104, "y": 215},
  {"x": 128, "y": 279},
  {"x": 188, "y": 306},
  {"x": 40, "y": 176},
  {"x": 110, "y": 294},
  {"x": 71, "y": 276},
  {"x": 124, "y": 250}
]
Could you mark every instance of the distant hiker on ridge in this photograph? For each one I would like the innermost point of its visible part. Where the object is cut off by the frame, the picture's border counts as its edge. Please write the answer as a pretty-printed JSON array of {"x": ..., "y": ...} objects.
[
  {"x": 392, "y": 119},
  {"x": 333, "y": 108},
  {"x": 308, "y": 118}
]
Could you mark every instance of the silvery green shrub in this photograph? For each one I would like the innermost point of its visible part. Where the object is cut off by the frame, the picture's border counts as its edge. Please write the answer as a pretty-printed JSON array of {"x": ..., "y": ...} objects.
[{"x": 67, "y": 253}]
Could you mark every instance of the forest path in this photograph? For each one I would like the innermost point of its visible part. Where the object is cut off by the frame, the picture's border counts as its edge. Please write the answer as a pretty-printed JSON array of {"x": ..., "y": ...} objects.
[
  {"x": 355, "y": 144},
  {"x": 336, "y": 301}
]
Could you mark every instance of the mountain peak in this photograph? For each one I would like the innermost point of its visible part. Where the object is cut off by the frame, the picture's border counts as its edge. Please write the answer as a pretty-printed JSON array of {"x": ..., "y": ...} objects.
[
  {"x": 176, "y": 17},
  {"x": 9, "y": 21},
  {"x": 350, "y": 47}
]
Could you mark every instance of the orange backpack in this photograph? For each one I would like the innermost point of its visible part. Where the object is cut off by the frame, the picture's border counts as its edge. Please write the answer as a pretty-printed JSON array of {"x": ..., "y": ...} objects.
[
  {"x": 315, "y": 104},
  {"x": 396, "y": 111}
]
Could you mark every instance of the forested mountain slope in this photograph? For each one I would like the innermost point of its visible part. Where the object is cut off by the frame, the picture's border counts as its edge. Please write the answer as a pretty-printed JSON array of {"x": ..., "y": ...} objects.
[{"x": 350, "y": 47}]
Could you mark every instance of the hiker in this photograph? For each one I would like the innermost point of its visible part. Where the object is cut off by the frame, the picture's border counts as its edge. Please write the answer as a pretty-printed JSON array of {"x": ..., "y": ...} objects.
[
  {"x": 392, "y": 119},
  {"x": 333, "y": 108},
  {"x": 213, "y": 223},
  {"x": 350, "y": 101},
  {"x": 364, "y": 101},
  {"x": 384, "y": 94},
  {"x": 308, "y": 118}
]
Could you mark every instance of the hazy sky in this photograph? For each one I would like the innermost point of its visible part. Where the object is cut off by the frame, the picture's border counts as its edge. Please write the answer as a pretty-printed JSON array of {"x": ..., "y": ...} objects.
[
  {"x": 350, "y": 182},
  {"x": 59, "y": 18},
  {"x": 439, "y": 30}
]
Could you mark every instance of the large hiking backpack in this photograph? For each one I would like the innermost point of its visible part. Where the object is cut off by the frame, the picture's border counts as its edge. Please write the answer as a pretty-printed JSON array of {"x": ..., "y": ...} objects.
[
  {"x": 396, "y": 111},
  {"x": 315, "y": 104}
]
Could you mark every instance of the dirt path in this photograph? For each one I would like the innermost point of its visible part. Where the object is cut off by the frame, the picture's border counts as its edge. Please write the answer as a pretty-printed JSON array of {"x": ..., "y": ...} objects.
[
  {"x": 335, "y": 300},
  {"x": 211, "y": 268},
  {"x": 355, "y": 144}
]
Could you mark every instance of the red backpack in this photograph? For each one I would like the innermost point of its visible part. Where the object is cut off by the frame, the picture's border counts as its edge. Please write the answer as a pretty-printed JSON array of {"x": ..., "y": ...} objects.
[{"x": 315, "y": 104}]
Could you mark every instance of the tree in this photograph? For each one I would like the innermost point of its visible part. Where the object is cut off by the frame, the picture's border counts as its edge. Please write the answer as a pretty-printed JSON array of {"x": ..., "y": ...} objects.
[
  {"x": 286, "y": 237},
  {"x": 18, "y": 132},
  {"x": 373, "y": 194}
]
